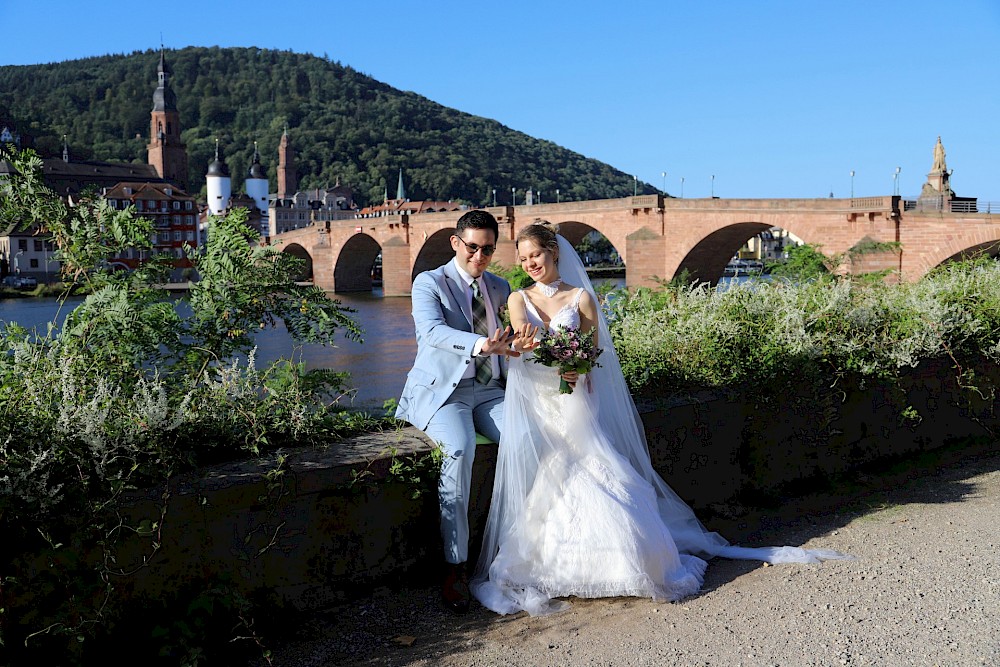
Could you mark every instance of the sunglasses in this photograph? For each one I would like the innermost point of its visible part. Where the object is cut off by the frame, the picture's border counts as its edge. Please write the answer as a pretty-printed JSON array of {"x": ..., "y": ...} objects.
[{"x": 474, "y": 248}]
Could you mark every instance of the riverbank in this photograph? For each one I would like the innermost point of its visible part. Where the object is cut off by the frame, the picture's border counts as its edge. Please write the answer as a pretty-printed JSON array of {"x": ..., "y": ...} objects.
[{"x": 924, "y": 591}]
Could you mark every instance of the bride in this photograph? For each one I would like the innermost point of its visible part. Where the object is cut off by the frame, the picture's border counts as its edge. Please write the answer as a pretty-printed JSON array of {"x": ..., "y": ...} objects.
[{"x": 577, "y": 508}]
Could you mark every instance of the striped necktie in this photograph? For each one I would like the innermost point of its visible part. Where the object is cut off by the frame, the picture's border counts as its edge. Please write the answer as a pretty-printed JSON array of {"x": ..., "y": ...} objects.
[{"x": 484, "y": 370}]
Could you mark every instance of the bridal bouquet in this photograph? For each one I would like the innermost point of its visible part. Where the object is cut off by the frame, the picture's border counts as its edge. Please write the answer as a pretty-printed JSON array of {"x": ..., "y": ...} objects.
[{"x": 568, "y": 349}]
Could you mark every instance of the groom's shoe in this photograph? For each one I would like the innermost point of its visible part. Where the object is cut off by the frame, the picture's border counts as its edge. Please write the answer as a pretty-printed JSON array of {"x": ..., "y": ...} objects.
[{"x": 455, "y": 592}]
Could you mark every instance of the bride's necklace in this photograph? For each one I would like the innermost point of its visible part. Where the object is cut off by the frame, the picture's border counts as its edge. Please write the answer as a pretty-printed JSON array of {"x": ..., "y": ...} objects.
[{"x": 550, "y": 289}]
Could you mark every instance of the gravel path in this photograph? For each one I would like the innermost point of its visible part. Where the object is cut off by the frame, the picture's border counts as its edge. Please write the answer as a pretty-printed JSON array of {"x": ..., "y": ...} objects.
[{"x": 925, "y": 590}]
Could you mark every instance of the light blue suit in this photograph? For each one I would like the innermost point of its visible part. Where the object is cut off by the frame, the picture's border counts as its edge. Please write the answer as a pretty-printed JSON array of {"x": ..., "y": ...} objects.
[{"x": 438, "y": 401}]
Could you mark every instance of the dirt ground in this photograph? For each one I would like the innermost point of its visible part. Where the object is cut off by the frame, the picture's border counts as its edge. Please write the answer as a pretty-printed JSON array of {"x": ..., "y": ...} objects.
[{"x": 924, "y": 590}]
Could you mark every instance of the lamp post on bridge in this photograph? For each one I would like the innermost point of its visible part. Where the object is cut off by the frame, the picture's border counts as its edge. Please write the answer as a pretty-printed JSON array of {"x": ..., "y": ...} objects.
[
  {"x": 895, "y": 181},
  {"x": 557, "y": 196},
  {"x": 682, "y": 187},
  {"x": 852, "y": 184},
  {"x": 513, "y": 196},
  {"x": 663, "y": 190},
  {"x": 635, "y": 185},
  {"x": 494, "y": 196},
  {"x": 713, "y": 186}
]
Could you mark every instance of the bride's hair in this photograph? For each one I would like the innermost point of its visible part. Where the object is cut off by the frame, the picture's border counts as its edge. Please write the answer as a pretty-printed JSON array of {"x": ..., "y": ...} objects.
[{"x": 543, "y": 233}]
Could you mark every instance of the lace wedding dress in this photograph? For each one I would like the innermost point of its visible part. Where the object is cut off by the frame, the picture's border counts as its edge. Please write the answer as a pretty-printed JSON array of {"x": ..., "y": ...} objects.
[{"x": 577, "y": 508}]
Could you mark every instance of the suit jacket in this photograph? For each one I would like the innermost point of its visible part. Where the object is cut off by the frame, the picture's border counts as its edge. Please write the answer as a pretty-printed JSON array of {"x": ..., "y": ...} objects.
[{"x": 442, "y": 316}]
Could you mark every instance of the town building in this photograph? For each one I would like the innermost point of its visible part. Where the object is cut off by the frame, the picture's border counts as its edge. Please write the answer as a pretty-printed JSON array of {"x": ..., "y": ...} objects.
[
  {"x": 290, "y": 208},
  {"x": 402, "y": 205},
  {"x": 155, "y": 189},
  {"x": 173, "y": 213}
]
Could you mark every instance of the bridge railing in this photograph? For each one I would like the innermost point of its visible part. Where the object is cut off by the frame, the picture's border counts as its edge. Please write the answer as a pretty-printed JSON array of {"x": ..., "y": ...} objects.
[{"x": 943, "y": 204}]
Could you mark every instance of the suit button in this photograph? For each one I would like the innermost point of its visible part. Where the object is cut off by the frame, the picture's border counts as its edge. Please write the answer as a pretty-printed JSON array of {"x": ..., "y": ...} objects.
[
  {"x": 454, "y": 384},
  {"x": 468, "y": 361}
]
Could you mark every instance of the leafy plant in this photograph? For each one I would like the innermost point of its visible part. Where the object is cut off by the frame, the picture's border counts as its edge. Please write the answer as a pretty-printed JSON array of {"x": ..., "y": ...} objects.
[{"x": 133, "y": 387}]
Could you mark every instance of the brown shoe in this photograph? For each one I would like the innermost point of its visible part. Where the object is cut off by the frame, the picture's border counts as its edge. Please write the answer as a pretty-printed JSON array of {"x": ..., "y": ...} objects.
[{"x": 455, "y": 591}]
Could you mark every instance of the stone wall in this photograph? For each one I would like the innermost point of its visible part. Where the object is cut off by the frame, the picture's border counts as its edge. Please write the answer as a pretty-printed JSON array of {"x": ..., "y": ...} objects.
[{"x": 302, "y": 536}]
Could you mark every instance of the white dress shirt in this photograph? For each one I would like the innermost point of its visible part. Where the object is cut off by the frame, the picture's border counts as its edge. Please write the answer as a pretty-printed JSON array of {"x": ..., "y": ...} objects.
[{"x": 491, "y": 321}]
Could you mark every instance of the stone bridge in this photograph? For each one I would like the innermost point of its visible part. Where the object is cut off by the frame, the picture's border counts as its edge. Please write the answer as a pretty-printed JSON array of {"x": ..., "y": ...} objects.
[{"x": 656, "y": 236}]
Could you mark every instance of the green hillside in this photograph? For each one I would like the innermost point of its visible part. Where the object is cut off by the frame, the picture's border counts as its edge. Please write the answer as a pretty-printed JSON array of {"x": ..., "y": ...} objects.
[{"x": 342, "y": 124}]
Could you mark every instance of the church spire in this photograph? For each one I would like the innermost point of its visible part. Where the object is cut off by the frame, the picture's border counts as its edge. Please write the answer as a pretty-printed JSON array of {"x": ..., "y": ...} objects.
[
  {"x": 400, "y": 190},
  {"x": 164, "y": 98}
]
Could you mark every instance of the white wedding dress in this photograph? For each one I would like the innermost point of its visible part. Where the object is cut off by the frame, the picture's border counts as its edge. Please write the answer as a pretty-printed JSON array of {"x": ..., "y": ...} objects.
[{"x": 577, "y": 508}]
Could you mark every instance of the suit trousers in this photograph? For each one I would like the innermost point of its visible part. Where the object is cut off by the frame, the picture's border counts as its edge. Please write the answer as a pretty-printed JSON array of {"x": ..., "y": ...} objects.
[{"x": 471, "y": 407}]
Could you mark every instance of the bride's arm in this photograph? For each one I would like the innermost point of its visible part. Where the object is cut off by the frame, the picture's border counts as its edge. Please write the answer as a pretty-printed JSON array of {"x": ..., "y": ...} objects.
[
  {"x": 588, "y": 315},
  {"x": 515, "y": 308}
]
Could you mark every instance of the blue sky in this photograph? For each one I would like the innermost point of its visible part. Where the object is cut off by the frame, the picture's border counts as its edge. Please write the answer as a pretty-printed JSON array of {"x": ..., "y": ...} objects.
[{"x": 775, "y": 98}]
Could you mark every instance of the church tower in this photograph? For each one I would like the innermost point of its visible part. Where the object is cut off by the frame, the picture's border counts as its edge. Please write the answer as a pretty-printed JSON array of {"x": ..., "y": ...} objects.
[
  {"x": 166, "y": 152},
  {"x": 287, "y": 185}
]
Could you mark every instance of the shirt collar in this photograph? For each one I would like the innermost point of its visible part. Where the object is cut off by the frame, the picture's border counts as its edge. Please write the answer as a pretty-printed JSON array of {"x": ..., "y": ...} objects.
[{"x": 465, "y": 276}]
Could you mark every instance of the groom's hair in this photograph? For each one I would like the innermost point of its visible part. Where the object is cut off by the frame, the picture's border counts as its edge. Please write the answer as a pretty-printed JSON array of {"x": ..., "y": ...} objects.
[{"x": 478, "y": 219}]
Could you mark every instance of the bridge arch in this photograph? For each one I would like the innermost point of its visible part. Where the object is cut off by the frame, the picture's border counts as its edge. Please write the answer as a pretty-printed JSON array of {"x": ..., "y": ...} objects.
[
  {"x": 435, "y": 251},
  {"x": 296, "y": 250},
  {"x": 706, "y": 261},
  {"x": 352, "y": 271},
  {"x": 987, "y": 249}
]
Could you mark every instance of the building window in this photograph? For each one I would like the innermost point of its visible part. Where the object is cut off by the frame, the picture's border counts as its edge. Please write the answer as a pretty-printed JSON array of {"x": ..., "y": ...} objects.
[
  {"x": 168, "y": 191},
  {"x": 34, "y": 262},
  {"x": 138, "y": 204},
  {"x": 190, "y": 235},
  {"x": 177, "y": 235},
  {"x": 177, "y": 205},
  {"x": 187, "y": 206},
  {"x": 22, "y": 244},
  {"x": 38, "y": 245}
]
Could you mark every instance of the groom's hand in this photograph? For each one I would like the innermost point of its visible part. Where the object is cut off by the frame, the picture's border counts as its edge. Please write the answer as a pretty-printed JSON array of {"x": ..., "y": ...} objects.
[{"x": 499, "y": 342}]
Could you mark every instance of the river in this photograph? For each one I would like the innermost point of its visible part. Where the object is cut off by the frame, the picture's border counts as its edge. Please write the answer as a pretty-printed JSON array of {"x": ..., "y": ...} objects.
[{"x": 378, "y": 366}]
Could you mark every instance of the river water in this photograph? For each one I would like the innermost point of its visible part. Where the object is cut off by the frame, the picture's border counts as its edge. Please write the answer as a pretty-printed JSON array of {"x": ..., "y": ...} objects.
[{"x": 378, "y": 366}]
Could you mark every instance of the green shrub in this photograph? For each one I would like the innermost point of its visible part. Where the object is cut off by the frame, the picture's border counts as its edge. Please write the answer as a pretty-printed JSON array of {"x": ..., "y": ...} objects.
[
  {"x": 132, "y": 388},
  {"x": 756, "y": 332}
]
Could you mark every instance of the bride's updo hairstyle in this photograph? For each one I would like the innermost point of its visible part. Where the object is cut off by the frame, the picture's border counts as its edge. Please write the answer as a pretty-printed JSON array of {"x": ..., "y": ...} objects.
[{"x": 543, "y": 233}]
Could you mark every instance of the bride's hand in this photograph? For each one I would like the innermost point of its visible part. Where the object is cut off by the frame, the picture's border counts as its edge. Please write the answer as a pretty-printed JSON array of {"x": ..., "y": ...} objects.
[
  {"x": 571, "y": 377},
  {"x": 524, "y": 338}
]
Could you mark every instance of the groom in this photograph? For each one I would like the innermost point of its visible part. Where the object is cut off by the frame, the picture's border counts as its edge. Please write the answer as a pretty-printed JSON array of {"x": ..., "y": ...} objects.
[{"x": 456, "y": 385}]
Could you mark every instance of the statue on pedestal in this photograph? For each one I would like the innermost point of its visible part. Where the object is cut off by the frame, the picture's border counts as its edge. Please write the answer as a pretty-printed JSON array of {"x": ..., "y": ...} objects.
[{"x": 939, "y": 164}]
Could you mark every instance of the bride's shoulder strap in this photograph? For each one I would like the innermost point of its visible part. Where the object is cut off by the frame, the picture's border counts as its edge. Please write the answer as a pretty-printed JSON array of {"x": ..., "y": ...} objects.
[{"x": 577, "y": 297}]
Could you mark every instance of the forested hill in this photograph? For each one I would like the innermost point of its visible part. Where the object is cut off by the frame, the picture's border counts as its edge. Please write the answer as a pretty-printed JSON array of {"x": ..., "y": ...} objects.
[{"x": 341, "y": 123}]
